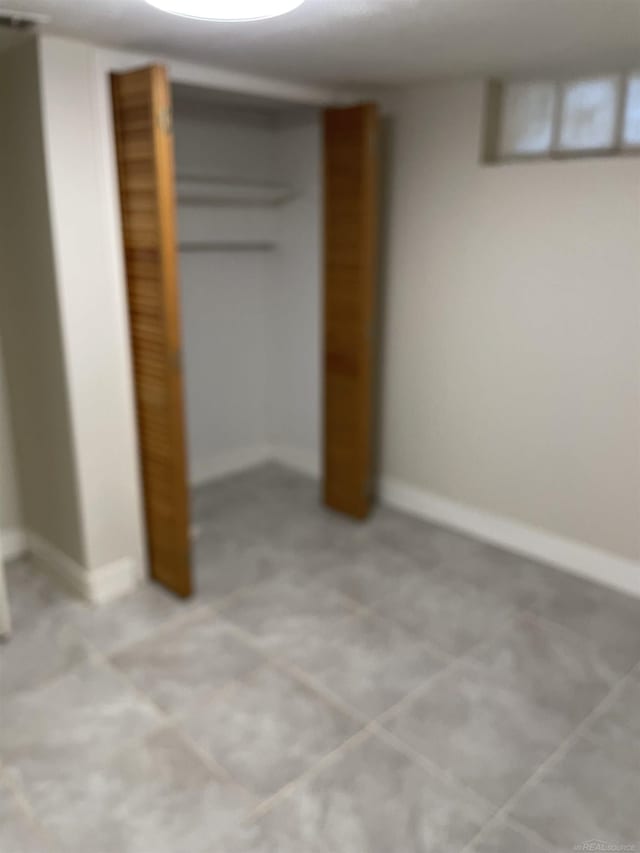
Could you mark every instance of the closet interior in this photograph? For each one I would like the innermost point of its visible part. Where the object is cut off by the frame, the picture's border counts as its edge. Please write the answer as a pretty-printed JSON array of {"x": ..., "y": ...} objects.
[{"x": 249, "y": 209}]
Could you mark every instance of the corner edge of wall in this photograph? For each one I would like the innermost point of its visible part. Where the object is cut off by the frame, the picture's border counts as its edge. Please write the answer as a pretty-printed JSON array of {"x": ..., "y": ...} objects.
[
  {"x": 95, "y": 586},
  {"x": 13, "y": 543}
]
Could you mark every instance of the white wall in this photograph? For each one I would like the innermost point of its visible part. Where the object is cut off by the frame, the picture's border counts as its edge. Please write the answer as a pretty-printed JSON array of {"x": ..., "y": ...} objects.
[
  {"x": 11, "y": 521},
  {"x": 223, "y": 313},
  {"x": 224, "y": 294},
  {"x": 30, "y": 321},
  {"x": 512, "y": 326},
  {"x": 10, "y": 510},
  {"x": 295, "y": 310},
  {"x": 218, "y": 140},
  {"x": 91, "y": 294}
]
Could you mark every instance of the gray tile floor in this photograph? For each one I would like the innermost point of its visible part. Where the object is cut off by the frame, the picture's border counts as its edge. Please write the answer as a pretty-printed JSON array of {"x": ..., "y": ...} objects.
[{"x": 333, "y": 688}]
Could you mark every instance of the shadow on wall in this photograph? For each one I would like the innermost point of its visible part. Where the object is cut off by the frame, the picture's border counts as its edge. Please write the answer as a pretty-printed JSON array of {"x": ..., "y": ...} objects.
[{"x": 384, "y": 207}]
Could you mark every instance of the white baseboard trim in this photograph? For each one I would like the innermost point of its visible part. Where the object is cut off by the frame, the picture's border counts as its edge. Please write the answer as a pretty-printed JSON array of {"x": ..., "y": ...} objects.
[
  {"x": 13, "y": 543},
  {"x": 605, "y": 568},
  {"x": 228, "y": 463},
  {"x": 97, "y": 586},
  {"x": 304, "y": 461},
  {"x": 585, "y": 561}
]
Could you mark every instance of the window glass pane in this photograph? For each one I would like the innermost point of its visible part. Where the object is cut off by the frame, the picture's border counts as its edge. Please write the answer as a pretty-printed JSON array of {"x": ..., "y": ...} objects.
[
  {"x": 589, "y": 114},
  {"x": 632, "y": 112},
  {"x": 527, "y": 118}
]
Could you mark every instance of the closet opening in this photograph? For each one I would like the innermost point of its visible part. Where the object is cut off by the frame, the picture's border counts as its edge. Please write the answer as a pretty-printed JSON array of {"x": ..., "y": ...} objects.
[
  {"x": 249, "y": 242},
  {"x": 249, "y": 202}
]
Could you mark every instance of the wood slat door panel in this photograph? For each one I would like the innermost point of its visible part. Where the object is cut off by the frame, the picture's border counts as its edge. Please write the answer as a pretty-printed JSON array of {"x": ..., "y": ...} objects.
[
  {"x": 350, "y": 265},
  {"x": 144, "y": 145}
]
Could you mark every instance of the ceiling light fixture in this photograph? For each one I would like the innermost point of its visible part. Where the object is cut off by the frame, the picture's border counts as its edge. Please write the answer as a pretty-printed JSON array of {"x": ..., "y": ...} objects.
[{"x": 227, "y": 10}]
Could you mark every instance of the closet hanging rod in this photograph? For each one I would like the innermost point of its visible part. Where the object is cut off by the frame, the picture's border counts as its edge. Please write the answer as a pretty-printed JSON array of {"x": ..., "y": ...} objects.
[
  {"x": 232, "y": 180},
  {"x": 226, "y": 246}
]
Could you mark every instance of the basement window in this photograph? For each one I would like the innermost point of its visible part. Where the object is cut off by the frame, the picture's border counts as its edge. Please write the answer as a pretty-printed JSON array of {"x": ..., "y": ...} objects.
[
  {"x": 552, "y": 119},
  {"x": 632, "y": 111}
]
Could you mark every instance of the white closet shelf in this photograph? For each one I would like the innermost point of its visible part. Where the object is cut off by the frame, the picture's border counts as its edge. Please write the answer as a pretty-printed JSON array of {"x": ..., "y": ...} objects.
[
  {"x": 226, "y": 246},
  {"x": 231, "y": 191}
]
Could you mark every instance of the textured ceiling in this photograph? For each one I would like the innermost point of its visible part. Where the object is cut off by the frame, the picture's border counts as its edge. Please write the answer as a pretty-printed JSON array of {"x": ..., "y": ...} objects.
[{"x": 373, "y": 41}]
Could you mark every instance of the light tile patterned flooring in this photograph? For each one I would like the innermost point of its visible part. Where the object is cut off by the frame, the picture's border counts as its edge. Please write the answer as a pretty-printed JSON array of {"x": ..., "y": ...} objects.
[{"x": 333, "y": 688}]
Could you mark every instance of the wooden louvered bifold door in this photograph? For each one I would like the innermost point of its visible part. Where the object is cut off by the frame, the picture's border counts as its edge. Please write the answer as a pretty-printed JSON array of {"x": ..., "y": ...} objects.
[
  {"x": 351, "y": 203},
  {"x": 144, "y": 144}
]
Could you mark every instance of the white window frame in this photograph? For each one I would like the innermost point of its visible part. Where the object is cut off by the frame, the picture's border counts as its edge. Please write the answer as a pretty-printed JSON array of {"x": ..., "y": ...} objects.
[{"x": 554, "y": 152}]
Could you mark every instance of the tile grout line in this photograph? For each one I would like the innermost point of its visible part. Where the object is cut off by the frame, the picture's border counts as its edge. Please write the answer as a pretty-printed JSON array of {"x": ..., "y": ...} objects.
[
  {"x": 25, "y": 805},
  {"x": 512, "y": 612},
  {"x": 95, "y": 658},
  {"x": 224, "y": 692},
  {"x": 356, "y": 608},
  {"x": 449, "y": 662},
  {"x": 212, "y": 604},
  {"x": 7, "y": 777},
  {"x": 208, "y": 604},
  {"x": 505, "y": 820},
  {"x": 217, "y": 771},
  {"x": 373, "y": 728},
  {"x": 319, "y": 690},
  {"x": 300, "y": 675},
  {"x": 369, "y": 611},
  {"x": 429, "y": 766},
  {"x": 526, "y": 831},
  {"x": 359, "y": 609},
  {"x": 561, "y": 750},
  {"x": 631, "y": 677},
  {"x": 174, "y": 722},
  {"x": 369, "y": 728},
  {"x": 15, "y": 785},
  {"x": 167, "y": 720},
  {"x": 334, "y": 699},
  {"x": 546, "y": 622},
  {"x": 196, "y": 611},
  {"x": 366, "y": 724},
  {"x": 468, "y": 657},
  {"x": 269, "y": 803}
]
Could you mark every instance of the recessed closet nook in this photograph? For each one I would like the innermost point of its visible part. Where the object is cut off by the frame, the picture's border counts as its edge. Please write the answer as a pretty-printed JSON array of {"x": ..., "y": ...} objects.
[
  {"x": 249, "y": 232},
  {"x": 249, "y": 240}
]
